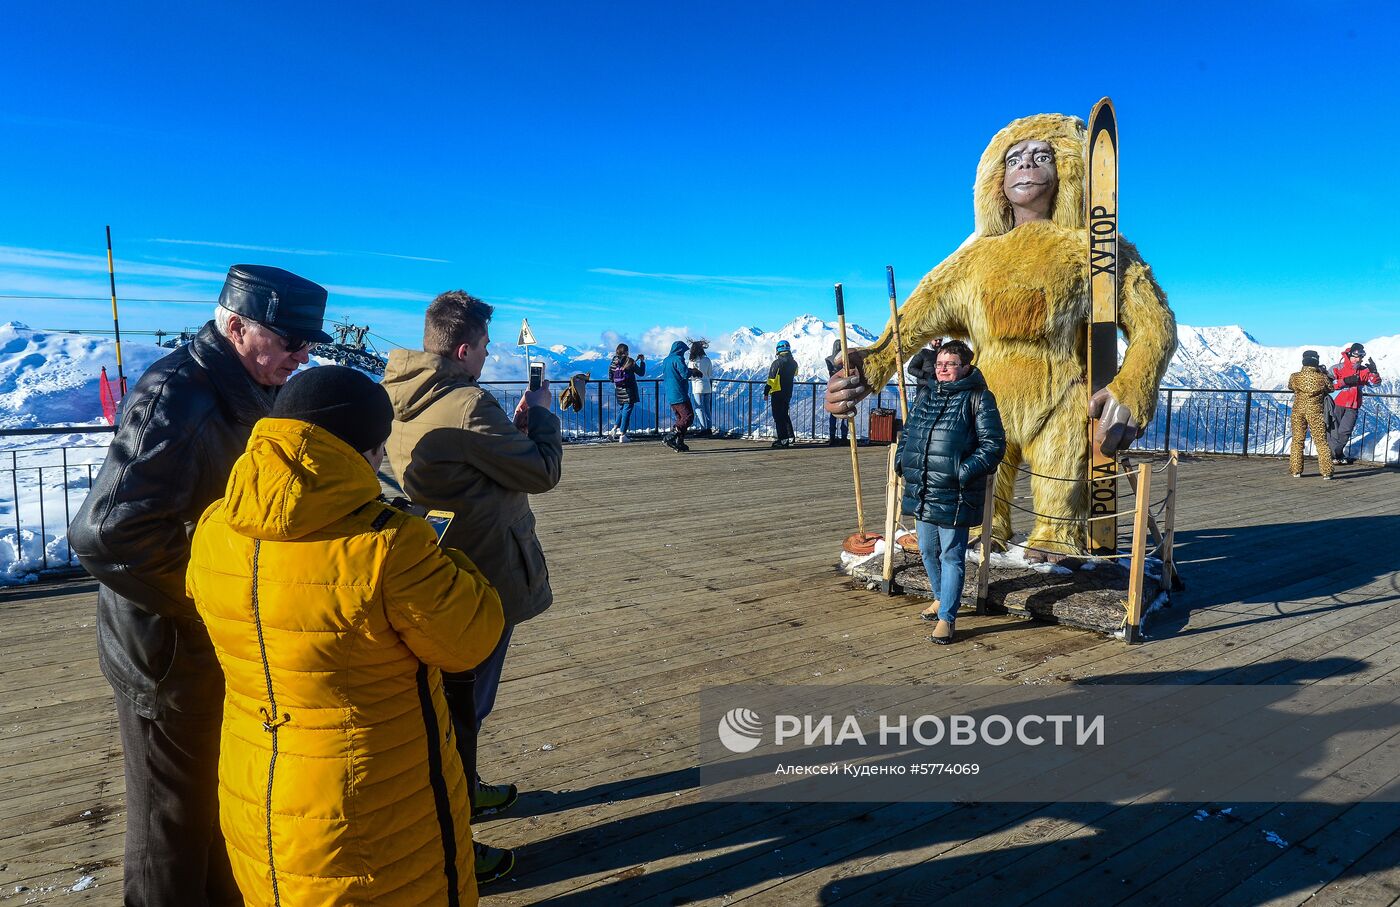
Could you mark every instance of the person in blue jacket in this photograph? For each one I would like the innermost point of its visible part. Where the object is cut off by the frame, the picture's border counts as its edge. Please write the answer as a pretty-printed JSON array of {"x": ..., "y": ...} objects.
[
  {"x": 953, "y": 444},
  {"x": 675, "y": 384}
]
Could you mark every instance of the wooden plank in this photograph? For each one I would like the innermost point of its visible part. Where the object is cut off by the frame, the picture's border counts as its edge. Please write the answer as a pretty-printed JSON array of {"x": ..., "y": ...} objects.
[{"x": 609, "y": 677}]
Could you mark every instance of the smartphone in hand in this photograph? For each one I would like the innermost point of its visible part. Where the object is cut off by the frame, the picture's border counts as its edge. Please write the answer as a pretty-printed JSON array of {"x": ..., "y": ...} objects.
[{"x": 536, "y": 374}]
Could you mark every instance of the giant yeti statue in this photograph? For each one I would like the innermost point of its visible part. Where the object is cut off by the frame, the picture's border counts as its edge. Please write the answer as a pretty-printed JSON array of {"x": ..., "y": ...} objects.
[{"x": 1018, "y": 290}]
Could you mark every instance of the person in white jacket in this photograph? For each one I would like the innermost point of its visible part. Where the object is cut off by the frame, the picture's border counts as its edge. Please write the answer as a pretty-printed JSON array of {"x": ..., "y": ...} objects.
[{"x": 701, "y": 387}]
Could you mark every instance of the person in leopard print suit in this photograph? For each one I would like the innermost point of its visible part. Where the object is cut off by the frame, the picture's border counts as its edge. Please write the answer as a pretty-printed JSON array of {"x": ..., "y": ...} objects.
[{"x": 1311, "y": 387}]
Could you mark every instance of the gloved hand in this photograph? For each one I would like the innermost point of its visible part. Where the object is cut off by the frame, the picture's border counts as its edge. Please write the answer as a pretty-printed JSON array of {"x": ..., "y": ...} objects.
[
  {"x": 1351, "y": 381},
  {"x": 1117, "y": 428},
  {"x": 1371, "y": 365}
]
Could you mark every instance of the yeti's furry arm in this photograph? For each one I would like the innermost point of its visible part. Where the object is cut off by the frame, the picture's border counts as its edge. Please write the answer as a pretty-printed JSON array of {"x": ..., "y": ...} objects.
[
  {"x": 1150, "y": 329},
  {"x": 938, "y": 307}
]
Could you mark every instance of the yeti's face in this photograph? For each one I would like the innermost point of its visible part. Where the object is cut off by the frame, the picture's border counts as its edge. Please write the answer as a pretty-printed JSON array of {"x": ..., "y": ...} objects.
[{"x": 1031, "y": 178}]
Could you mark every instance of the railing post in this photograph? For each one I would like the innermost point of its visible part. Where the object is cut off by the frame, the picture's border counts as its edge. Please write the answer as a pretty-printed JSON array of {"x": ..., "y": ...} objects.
[
  {"x": 600, "y": 409},
  {"x": 67, "y": 518},
  {"x": 1248, "y": 408},
  {"x": 813, "y": 387},
  {"x": 656, "y": 396},
  {"x": 1167, "y": 429},
  {"x": 14, "y": 488},
  {"x": 748, "y": 432},
  {"x": 43, "y": 525}
]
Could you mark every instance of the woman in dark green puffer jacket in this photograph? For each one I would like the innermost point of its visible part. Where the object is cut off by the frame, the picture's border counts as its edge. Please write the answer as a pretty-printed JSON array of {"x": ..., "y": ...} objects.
[{"x": 953, "y": 443}]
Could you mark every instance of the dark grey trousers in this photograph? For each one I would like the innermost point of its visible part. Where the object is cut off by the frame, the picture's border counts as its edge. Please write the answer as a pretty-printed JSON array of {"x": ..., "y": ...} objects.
[
  {"x": 175, "y": 854},
  {"x": 1340, "y": 435}
]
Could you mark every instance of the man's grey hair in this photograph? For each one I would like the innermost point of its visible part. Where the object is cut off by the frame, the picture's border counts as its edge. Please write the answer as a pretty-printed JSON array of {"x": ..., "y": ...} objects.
[{"x": 221, "y": 317}]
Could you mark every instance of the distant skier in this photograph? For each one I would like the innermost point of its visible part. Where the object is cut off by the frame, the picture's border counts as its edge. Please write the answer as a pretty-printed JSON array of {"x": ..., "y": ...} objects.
[
  {"x": 833, "y": 365},
  {"x": 778, "y": 391},
  {"x": 675, "y": 378},
  {"x": 1349, "y": 376},
  {"x": 1310, "y": 387}
]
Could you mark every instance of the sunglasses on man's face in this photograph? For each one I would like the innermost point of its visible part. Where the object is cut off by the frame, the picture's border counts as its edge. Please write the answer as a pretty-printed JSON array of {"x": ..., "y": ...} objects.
[{"x": 292, "y": 342}]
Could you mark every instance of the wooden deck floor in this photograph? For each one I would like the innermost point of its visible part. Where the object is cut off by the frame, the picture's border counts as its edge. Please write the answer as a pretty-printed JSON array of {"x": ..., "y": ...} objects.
[{"x": 676, "y": 573}]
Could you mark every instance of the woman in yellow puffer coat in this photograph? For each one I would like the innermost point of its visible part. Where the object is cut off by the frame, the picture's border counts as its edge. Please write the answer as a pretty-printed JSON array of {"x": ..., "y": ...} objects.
[{"x": 333, "y": 616}]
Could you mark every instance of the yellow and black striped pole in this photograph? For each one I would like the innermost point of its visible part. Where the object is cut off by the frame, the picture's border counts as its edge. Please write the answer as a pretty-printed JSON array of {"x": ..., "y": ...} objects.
[{"x": 116, "y": 325}]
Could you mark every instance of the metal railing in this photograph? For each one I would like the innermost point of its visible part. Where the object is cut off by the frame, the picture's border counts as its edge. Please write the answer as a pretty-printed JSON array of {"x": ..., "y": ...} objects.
[
  {"x": 1259, "y": 423},
  {"x": 739, "y": 409},
  {"x": 41, "y": 488}
]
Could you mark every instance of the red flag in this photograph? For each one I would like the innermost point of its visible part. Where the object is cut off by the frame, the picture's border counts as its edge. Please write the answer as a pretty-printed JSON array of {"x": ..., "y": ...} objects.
[{"x": 109, "y": 403}]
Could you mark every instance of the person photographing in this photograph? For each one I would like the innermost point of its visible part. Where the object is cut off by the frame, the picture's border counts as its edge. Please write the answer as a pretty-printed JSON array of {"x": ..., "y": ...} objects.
[{"x": 1354, "y": 372}]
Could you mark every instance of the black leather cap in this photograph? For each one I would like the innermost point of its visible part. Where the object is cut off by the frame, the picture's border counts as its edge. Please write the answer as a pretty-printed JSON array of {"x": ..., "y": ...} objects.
[
  {"x": 1310, "y": 357},
  {"x": 277, "y": 298}
]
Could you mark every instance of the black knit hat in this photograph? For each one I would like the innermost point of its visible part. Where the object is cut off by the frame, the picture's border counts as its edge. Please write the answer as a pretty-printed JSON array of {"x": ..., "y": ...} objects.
[
  {"x": 1310, "y": 357},
  {"x": 1356, "y": 349},
  {"x": 346, "y": 403}
]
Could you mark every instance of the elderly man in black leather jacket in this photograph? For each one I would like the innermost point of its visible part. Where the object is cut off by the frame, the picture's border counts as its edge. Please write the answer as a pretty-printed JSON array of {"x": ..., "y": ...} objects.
[{"x": 182, "y": 428}]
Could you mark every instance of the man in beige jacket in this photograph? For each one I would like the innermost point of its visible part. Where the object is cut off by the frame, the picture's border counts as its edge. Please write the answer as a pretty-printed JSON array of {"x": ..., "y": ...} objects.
[{"x": 454, "y": 448}]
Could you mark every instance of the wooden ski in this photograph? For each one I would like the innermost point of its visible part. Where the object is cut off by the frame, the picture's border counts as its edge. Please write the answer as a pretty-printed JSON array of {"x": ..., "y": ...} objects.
[
  {"x": 1102, "y": 347},
  {"x": 893, "y": 496}
]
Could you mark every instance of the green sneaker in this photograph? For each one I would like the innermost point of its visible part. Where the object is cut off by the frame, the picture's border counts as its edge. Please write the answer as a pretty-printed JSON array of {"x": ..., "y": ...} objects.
[
  {"x": 493, "y": 799},
  {"x": 492, "y": 863}
]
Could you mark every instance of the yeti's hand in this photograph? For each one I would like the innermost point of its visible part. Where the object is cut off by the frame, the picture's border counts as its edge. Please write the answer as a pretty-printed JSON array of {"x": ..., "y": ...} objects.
[
  {"x": 1117, "y": 427},
  {"x": 843, "y": 392}
]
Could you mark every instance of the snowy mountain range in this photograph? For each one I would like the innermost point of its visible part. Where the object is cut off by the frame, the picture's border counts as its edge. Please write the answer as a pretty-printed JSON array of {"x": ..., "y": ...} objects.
[{"x": 51, "y": 378}]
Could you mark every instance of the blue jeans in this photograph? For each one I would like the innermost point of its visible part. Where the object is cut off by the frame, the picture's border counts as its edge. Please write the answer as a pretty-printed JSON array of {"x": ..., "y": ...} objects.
[
  {"x": 470, "y": 698},
  {"x": 944, "y": 552},
  {"x": 703, "y": 403},
  {"x": 624, "y": 416},
  {"x": 488, "y": 673}
]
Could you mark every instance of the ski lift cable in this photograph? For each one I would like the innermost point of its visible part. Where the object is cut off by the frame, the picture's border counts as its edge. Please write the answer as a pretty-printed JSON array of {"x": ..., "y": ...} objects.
[{"x": 398, "y": 346}]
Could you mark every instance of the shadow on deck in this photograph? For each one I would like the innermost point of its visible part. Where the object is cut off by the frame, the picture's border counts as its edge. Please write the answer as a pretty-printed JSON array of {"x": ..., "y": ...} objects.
[{"x": 674, "y": 573}]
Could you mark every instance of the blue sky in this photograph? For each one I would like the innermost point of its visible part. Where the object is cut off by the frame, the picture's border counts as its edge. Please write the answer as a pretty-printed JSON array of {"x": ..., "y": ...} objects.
[{"x": 614, "y": 167}]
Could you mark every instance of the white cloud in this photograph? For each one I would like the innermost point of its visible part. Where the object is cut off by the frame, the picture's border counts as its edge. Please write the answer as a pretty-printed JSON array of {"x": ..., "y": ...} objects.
[
  {"x": 35, "y": 270},
  {"x": 47, "y": 260},
  {"x": 376, "y": 292},
  {"x": 286, "y": 251},
  {"x": 729, "y": 280},
  {"x": 656, "y": 341}
]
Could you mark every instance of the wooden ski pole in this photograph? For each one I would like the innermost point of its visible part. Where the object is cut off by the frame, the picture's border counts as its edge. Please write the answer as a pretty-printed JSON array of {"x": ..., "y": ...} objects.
[
  {"x": 892, "y": 492},
  {"x": 898, "y": 346},
  {"x": 846, "y": 369}
]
